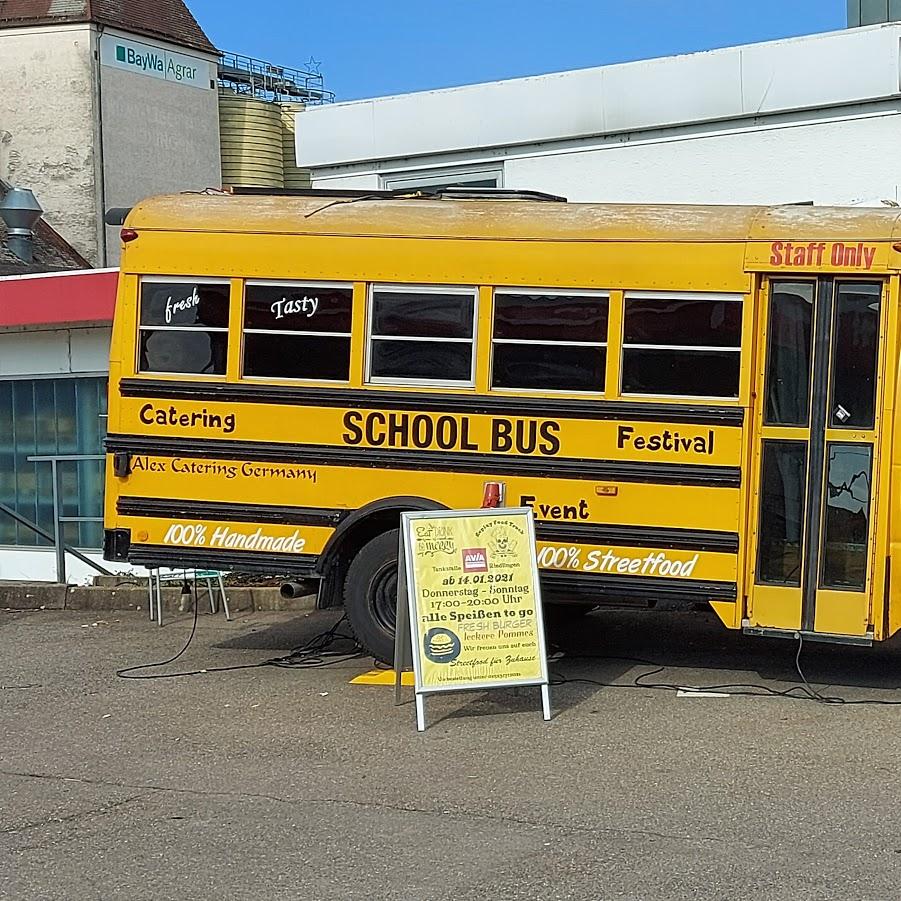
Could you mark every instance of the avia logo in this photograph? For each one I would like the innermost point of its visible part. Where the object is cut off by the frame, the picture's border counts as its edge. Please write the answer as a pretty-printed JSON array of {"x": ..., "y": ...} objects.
[{"x": 475, "y": 560}]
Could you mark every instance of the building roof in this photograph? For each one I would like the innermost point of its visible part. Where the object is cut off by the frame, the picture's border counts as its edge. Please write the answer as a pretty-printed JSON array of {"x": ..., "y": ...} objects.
[
  {"x": 749, "y": 82},
  {"x": 512, "y": 220},
  {"x": 52, "y": 253},
  {"x": 168, "y": 20}
]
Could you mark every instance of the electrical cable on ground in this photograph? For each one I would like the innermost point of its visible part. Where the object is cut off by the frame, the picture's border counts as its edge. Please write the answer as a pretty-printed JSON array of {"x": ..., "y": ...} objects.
[
  {"x": 803, "y": 692},
  {"x": 315, "y": 653}
]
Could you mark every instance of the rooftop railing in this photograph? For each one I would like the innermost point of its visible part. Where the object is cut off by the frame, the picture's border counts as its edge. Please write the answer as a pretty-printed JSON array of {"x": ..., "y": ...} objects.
[{"x": 265, "y": 81}]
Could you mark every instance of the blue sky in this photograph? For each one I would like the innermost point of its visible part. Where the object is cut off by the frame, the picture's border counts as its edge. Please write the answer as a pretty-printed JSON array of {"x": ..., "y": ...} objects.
[{"x": 369, "y": 49}]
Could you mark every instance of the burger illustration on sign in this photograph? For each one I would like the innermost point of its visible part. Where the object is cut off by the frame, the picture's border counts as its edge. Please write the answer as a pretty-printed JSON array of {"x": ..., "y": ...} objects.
[{"x": 441, "y": 645}]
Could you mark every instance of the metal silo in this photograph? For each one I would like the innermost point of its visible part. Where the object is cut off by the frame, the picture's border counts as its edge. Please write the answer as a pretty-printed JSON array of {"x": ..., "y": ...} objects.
[
  {"x": 251, "y": 138},
  {"x": 294, "y": 177}
]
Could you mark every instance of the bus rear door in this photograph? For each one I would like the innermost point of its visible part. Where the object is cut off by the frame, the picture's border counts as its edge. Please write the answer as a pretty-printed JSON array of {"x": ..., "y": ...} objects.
[{"x": 816, "y": 455}]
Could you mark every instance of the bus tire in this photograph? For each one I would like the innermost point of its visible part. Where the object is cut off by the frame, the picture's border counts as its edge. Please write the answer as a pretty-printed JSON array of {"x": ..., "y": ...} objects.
[
  {"x": 370, "y": 595},
  {"x": 558, "y": 616}
]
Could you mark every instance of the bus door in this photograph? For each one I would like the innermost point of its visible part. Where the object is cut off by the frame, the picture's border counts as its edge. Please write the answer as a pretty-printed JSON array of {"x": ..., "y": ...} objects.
[{"x": 815, "y": 460}]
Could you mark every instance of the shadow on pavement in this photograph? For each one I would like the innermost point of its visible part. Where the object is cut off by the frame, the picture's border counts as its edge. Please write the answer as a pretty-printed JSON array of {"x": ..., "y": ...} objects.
[
  {"x": 695, "y": 648},
  {"x": 617, "y": 646},
  {"x": 284, "y": 635}
]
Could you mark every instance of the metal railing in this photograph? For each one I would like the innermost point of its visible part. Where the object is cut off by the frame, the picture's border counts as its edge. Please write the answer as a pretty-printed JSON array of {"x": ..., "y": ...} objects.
[
  {"x": 56, "y": 537},
  {"x": 265, "y": 81}
]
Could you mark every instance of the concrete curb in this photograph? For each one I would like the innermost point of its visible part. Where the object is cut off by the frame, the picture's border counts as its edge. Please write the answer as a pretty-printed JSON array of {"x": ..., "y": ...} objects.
[
  {"x": 52, "y": 596},
  {"x": 32, "y": 596}
]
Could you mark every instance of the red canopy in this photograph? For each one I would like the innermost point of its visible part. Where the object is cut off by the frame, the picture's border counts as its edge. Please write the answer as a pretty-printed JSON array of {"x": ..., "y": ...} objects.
[{"x": 58, "y": 298}]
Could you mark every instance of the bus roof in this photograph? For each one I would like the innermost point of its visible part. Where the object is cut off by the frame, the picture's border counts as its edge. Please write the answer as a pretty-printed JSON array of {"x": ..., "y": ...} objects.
[{"x": 511, "y": 219}]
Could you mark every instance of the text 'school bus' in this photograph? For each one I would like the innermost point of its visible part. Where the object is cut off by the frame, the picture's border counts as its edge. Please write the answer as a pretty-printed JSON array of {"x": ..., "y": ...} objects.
[{"x": 697, "y": 402}]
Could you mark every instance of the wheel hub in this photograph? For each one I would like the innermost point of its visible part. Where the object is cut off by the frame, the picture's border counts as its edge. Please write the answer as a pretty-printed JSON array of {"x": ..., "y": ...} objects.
[{"x": 383, "y": 597}]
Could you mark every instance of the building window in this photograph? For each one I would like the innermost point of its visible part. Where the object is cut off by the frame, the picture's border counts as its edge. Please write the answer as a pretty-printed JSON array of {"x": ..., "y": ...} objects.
[
  {"x": 548, "y": 341},
  {"x": 682, "y": 345},
  {"x": 422, "y": 335},
  {"x": 436, "y": 179},
  {"x": 183, "y": 326},
  {"x": 51, "y": 416},
  {"x": 297, "y": 331}
]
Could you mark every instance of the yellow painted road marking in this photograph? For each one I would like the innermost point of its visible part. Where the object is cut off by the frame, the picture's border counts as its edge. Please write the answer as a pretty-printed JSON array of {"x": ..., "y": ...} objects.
[{"x": 381, "y": 677}]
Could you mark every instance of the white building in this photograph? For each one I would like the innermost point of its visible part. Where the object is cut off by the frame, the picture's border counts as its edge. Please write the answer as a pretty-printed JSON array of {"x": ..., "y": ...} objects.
[
  {"x": 810, "y": 119},
  {"x": 54, "y": 362}
]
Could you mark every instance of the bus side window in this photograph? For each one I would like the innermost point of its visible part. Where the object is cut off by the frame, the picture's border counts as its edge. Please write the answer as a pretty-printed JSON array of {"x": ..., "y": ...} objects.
[
  {"x": 297, "y": 331},
  {"x": 183, "y": 327},
  {"x": 681, "y": 345},
  {"x": 548, "y": 341},
  {"x": 420, "y": 334}
]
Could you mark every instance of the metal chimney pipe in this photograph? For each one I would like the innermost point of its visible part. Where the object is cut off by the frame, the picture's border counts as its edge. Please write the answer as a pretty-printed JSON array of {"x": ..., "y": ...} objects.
[{"x": 20, "y": 212}]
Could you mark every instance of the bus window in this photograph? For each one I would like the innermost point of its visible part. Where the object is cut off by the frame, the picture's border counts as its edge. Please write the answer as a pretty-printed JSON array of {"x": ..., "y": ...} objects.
[
  {"x": 856, "y": 330},
  {"x": 183, "y": 326},
  {"x": 846, "y": 519},
  {"x": 419, "y": 334},
  {"x": 685, "y": 346},
  {"x": 788, "y": 365},
  {"x": 782, "y": 494},
  {"x": 549, "y": 342},
  {"x": 297, "y": 331}
]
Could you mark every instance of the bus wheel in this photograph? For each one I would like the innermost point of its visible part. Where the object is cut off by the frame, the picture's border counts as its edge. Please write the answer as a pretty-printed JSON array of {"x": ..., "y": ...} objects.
[
  {"x": 370, "y": 595},
  {"x": 556, "y": 616}
]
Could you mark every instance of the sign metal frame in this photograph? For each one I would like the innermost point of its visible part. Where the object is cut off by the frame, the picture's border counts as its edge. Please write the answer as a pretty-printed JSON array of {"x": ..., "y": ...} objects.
[{"x": 407, "y": 653}]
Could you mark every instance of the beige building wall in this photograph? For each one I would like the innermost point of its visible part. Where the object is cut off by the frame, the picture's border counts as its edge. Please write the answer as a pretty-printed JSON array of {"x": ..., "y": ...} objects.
[
  {"x": 85, "y": 135},
  {"x": 47, "y": 109},
  {"x": 159, "y": 136}
]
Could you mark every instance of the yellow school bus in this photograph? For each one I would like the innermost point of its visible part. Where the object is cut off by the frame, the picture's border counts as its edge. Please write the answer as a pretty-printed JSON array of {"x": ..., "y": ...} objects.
[{"x": 697, "y": 402}]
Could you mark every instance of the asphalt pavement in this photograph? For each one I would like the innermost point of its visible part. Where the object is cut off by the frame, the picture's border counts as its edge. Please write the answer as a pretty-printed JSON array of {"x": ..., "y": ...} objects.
[{"x": 271, "y": 783}]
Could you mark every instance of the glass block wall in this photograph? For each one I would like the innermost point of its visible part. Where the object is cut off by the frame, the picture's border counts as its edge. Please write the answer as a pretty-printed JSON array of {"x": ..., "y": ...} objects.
[{"x": 51, "y": 416}]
